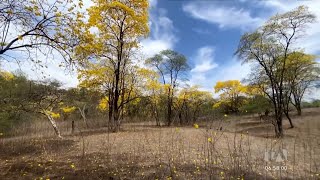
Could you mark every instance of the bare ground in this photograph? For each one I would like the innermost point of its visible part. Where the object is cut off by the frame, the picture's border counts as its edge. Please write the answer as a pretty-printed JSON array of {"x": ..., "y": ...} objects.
[{"x": 144, "y": 151}]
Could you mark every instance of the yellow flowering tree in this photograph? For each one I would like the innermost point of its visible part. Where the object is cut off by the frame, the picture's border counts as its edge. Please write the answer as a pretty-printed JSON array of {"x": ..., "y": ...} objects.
[
  {"x": 37, "y": 25},
  {"x": 190, "y": 103},
  {"x": 231, "y": 95},
  {"x": 154, "y": 90},
  {"x": 106, "y": 52},
  {"x": 302, "y": 72}
]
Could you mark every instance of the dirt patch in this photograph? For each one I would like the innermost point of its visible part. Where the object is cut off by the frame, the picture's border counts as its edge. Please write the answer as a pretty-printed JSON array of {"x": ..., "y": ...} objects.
[{"x": 24, "y": 147}]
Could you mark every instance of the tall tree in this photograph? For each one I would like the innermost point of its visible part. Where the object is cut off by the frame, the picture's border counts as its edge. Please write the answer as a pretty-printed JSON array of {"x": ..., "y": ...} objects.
[
  {"x": 171, "y": 66},
  {"x": 269, "y": 47},
  {"x": 119, "y": 25},
  {"x": 154, "y": 90}
]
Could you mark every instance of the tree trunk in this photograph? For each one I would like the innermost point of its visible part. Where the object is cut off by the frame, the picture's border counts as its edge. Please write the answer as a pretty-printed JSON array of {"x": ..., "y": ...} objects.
[
  {"x": 169, "y": 106},
  {"x": 286, "y": 110},
  {"x": 290, "y": 121},
  {"x": 156, "y": 117},
  {"x": 116, "y": 123},
  {"x": 116, "y": 99},
  {"x": 298, "y": 107},
  {"x": 54, "y": 125},
  {"x": 110, "y": 112},
  {"x": 83, "y": 115},
  {"x": 278, "y": 109},
  {"x": 72, "y": 127},
  {"x": 180, "y": 118},
  {"x": 279, "y": 129}
]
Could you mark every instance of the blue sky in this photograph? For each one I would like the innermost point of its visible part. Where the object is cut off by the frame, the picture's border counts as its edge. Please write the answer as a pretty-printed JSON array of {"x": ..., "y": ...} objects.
[{"x": 207, "y": 32}]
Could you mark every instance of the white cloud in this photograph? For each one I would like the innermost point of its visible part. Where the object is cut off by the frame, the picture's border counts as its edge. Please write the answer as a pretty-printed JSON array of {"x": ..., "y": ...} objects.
[
  {"x": 162, "y": 35},
  {"x": 204, "y": 64},
  {"x": 225, "y": 17},
  {"x": 204, "y": 60},
  {"x": 233, "y": 70},
  {"x": 162, "y": 39},
  {"x": 67, "y": 77}
]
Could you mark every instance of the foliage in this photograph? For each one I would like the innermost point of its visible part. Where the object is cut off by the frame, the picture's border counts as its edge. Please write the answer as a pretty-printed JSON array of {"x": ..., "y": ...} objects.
[
  {"x": 171, "y": 66},
  {"x": 68, "y": 109},
  {"x": 191, "y": 102},
  {"x": 39, "y": 26},
  {"x": 313, "y": 104},
  {"x": 232, "y": 94}
]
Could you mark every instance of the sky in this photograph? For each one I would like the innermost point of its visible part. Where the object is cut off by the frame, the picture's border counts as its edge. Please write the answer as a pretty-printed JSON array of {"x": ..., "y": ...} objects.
[{"x": 207, "y": 32}]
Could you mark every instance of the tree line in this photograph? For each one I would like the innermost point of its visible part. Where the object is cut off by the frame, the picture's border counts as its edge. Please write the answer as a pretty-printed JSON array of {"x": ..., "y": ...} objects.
[{"x": 103, "y": 41}]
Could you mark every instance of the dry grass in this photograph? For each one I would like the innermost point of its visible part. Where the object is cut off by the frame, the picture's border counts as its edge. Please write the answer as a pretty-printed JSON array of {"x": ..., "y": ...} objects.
[{"x": 144, "y": 151}]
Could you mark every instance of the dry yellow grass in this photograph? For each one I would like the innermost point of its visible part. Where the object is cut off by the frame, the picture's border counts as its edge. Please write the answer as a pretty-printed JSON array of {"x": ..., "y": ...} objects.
[{"x": 143, "y": 151}]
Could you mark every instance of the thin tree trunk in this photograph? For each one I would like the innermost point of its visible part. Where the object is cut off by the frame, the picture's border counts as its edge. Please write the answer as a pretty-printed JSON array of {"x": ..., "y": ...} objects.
[
  {"x": 286, "y": 110},
  {"x": 54, "y": 125},
  {"x": 290, "y": 121},
  {"x": 298, "y": 107},
  {"x": 83, "y": 115},
  {"x": 169, "y": 106},
  {"x": 279, "y": 126},
  {"x": 72, "y": 127}
]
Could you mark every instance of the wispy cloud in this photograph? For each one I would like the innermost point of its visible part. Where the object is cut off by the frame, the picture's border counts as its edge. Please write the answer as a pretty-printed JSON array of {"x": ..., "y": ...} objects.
[
  {"x": 208, "y": 77},
  {"x": 162, "y": 33},
  {"x": 223, "y": 16},
  {"x": 204, "y": 65},
  {"x": 204, "y": 60}
]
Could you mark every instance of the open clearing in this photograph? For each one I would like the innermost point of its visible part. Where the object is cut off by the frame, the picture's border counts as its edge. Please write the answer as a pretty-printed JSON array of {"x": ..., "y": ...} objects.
[{"x": 144, "y": 151}]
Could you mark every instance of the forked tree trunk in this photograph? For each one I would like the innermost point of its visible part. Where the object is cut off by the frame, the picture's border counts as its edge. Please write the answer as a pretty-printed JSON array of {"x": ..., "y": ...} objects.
[{"x": 83, "y": 115}]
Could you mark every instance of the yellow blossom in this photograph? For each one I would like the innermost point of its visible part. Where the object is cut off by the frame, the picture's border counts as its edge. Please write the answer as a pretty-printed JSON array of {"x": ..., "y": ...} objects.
[
  {"x": 210, "y": 139},
  {"x": 196, "y": 126},
  {"x": 55, "y": 115},
  {"x": 68, "y": 109}
]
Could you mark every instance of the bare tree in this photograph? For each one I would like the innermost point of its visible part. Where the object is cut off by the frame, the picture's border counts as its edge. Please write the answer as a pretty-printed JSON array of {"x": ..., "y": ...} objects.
[
  {"x": 269, "y": 47},
  {"x": 171, "y": 66}
]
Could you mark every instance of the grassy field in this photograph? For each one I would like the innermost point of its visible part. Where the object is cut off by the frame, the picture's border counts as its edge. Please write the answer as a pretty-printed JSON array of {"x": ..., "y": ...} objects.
[{"x": 233, "y": 147}]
